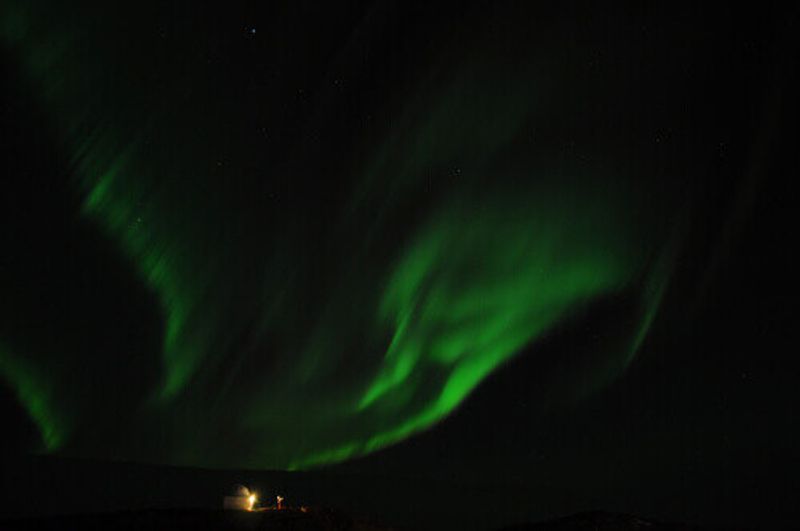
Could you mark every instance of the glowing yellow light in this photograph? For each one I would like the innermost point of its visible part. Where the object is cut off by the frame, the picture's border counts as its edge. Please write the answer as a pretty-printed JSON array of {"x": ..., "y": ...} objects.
[{"x": 252, "y": 500}]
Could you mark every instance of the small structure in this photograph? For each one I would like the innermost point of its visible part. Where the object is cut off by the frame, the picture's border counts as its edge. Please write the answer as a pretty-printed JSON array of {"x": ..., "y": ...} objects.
[{"x": 242, "y": 499}]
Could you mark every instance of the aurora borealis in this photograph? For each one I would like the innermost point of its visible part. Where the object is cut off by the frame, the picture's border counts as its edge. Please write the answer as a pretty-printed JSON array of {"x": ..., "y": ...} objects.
[
  {"x": 279, "y": 249},
  {"x": 478, "y": 272}
]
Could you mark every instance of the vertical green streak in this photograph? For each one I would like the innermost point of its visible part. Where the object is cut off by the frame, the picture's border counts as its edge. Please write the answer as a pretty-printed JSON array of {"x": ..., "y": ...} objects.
[
  {"x": 35, "y": 395},
  {"x": 132, "y": 223},
  {"x": 655, "y": 287},
  {"x": 105, "y": 155}
]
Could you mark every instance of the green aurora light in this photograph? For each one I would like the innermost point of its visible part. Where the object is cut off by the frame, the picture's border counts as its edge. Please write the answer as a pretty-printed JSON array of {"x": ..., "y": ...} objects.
[
  {"x": 481, "y": 268},
  {"x": 36, "y": 396}
]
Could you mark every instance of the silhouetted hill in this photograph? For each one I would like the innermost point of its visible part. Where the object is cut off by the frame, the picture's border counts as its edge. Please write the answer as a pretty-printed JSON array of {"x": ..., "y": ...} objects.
[
  {"x": 56, "y": 493},
  {"x": 297, "y": 520},
  {"x": 199, "y": 520},
  {"x": 599, "y": 521}
]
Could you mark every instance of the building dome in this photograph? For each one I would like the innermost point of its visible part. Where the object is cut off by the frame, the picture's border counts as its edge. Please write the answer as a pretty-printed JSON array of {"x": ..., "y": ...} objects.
[{"x": 240, "y": 490}]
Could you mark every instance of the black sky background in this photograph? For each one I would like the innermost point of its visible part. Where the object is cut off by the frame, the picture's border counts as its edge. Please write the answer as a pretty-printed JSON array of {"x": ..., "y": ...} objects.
[{"x": 702, "y": 427}]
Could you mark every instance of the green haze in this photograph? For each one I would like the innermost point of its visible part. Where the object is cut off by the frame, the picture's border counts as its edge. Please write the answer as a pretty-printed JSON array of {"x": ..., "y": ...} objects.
[
  {"x": 298, "y": 334},
  {"x": 35, "y": 394}
]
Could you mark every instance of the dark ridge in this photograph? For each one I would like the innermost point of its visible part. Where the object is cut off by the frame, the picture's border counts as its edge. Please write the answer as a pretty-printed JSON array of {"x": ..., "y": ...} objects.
[
  {"x": 200, "y": 520},
  {"x": 602, "y": 521}
]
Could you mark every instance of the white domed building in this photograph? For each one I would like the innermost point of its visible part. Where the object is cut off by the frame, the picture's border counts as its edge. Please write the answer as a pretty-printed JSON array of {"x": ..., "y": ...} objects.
[{"x": 241, "y": 499}]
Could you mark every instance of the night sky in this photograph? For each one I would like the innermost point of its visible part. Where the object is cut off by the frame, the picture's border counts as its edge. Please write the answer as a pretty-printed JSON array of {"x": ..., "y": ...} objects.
[{"x": 481, "y": 242}]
